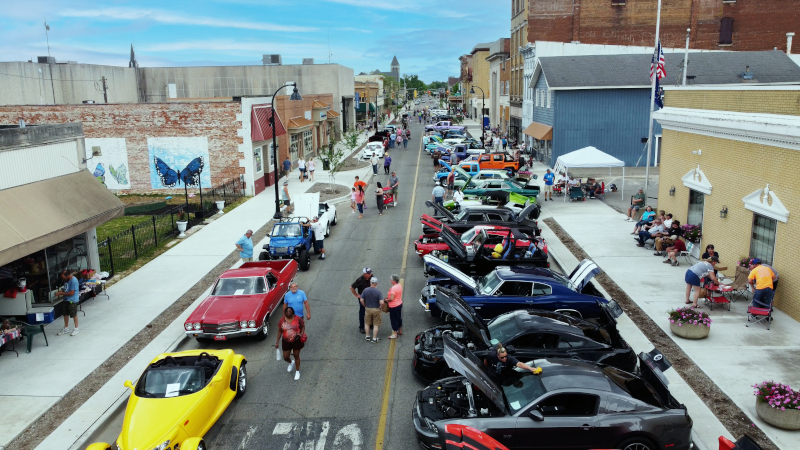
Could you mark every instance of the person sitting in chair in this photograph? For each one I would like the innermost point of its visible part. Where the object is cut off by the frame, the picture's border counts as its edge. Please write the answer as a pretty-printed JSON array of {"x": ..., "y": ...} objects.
[
  {"x": 665, "y": 239},
  {"x": 647, "y": 217},
  {"x": 673, "y": 251},
  {"x": 648, "y": 232},
  {"x": 595, "y": 189}
]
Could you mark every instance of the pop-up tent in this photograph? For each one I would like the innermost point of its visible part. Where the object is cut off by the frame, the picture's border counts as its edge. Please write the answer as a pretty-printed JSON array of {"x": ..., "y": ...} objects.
[{"x": 588, "y": 157}]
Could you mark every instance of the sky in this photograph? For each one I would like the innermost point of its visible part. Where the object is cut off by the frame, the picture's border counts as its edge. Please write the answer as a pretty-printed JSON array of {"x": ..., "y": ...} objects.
[{"x": 427, "y": 36}]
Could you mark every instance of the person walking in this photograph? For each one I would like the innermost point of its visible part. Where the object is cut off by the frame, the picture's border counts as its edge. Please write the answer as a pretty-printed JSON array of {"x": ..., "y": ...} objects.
[
  {"x": 394, "y": 183},
  {"x": 405, "y": 140},
  {"x": 505, "y": 145},
  {"x": 399, "y": 139},
  {"x": 374, "y": 161},
  {"x": 372, "y": 299},
  {"x": 245, "y": 246},
  {"x": 438, "y": 195},
  {"x": 357, "y": 288},
  {"x": 395, "y": 300},
  {"x": 301, "y": 164},
  {"x": 310, "y": 168},
  {"x": 319, "y": 230},
  {"x": 549, "y": 179},
  {"x": 363, "y": 188},
  {"x": 392, "y": 138},
  {"x": 285, "y": 198},
  {"x": 379, "y": 197},
  {"x": 72, "y": 297},
  {"x": 360, "y": 201},
  {"x": 291, "y": 339},
  {"x": 287, "y": 167},
  {"x": 298, "y": 301},
  {"x": 387, "y": 163}
]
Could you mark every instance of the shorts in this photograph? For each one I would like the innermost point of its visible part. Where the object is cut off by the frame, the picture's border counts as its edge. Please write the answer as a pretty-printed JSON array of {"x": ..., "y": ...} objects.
[
  {"x": 70, "y": 309},
  {"x": 636, "y": 208},
  {"x": 318, "y": 245},
  {"x": 287, "y": 202},
  {"x": 289, "y": 346},
  {"x": 302, "y": 170},
  {"x": 372, "y": 317},
  {"x": 692, "y": 279},
  {"x": 548, "y": 188},
  {"x": 247, "y": 259},
  {"x": 451, "y": 186}
]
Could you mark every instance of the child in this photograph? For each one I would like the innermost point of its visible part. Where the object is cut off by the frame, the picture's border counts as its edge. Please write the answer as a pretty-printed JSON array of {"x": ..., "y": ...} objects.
[
  {"x": 353, "y": 200},
  {"x": 360, "y": 201}
]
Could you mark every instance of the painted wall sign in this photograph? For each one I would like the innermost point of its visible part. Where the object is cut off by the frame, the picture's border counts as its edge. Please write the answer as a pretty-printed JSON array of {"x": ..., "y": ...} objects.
[
  {"x": 178, "y": 161},
  {"x": 112, "y": 167}
]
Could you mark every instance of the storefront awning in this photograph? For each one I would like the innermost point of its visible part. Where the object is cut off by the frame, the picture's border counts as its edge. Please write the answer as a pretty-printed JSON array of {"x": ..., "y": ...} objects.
[
  {"x": 539, "y": 131},
  {"x": 332, "y": 115},
  {"x": 362, "y": 107},
  {"x": 38, "y": 215},
  {"x": 299, "y": 124},
  {"x": 320, "y": 105},
  {"x": 260, "y": 128}
]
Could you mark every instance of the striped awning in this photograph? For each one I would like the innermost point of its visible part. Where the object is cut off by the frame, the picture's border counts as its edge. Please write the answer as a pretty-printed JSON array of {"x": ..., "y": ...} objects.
[{"x": 260, "y": 128}]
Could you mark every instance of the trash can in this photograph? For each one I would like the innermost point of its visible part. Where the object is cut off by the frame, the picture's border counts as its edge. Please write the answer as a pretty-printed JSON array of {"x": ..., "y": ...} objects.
[{"x": 326, "y": 164}]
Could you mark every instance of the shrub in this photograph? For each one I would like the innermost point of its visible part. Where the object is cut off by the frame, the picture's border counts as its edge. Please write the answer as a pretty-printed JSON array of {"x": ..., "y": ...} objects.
[
  {"x": 778, "y": 396},
  {"x": 689, "y": 316}
]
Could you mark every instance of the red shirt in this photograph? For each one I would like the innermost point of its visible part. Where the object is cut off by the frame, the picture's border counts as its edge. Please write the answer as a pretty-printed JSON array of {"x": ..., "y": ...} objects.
[
  {"x": 291, "y": 330},
  {"x": 679, "y": 246}
]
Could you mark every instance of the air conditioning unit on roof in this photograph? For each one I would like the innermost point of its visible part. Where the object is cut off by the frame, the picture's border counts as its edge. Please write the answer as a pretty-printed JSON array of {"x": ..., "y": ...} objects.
[{"x": 271, "y": 60}]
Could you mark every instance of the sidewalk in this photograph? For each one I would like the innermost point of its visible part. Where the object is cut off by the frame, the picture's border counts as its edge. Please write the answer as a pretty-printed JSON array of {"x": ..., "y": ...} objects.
[
  {"x": 34, "y": 382},
  {"x": 733, "y": 357}
]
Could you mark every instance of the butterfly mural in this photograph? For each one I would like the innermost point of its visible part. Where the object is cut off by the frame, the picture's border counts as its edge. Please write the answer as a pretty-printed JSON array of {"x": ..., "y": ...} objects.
[
  {"x": 190, "y": 175},
  {"x": 120, "y": 174},
  {"x": 100, "y": 173}
]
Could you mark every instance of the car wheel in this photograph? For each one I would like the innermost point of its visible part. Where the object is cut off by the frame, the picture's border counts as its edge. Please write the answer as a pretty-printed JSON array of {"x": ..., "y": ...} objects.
[
  {"x": 263, "y": 256},
  {"x": 636, "y": 443},
  {"x": 328, "y": 230},
  {"x": 334, "y": 219},
  {"x": 304, "y": 260},
  {"x": 264, "y": 330},
  {"x": 241, "y": 385}
]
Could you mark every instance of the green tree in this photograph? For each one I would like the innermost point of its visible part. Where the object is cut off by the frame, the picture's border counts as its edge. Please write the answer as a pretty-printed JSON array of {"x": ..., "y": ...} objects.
[{"x": 335, "y": 156}]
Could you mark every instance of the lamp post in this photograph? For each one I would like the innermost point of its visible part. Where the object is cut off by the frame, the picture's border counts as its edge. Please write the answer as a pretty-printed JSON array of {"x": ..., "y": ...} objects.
[
  {"x": 483, "y": 106},
  {"x": 295, "y": 96}
]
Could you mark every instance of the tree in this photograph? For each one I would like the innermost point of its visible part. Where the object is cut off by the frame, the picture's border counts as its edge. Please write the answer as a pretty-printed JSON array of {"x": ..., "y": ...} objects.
[
  {"x": 335, "y": 156},
  {"x": 437, "y": 85}
]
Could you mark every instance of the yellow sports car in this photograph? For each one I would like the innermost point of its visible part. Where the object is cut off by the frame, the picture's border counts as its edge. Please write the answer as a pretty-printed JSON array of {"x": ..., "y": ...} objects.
[{"x": 178, "y": 398}]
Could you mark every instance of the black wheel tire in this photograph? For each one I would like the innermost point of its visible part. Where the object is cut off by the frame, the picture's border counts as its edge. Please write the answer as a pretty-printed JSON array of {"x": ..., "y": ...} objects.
[
  {"x": 262, "y": 335},
  {"x": 263, "y": 256},
  {"x": 304, "y": 260},
  {"x": 241, "y": 382},
  {"x": 201, "y": 445},
  {"x": 636, "y": 443},
  {"x": 334, "y": 219},
  {"x": 328, "y": 230}
]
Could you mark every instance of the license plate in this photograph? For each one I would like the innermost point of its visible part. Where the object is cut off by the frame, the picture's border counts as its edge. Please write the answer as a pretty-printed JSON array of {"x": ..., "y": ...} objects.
[
  {"x": 281, "y": 249},
  {"x": 220, "y": 338}
]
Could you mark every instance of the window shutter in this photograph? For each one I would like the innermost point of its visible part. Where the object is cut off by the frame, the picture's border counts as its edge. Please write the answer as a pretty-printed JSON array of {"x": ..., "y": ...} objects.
[
  {"x": 549, "y": 99},
  {"x": 726, "y": 31}
]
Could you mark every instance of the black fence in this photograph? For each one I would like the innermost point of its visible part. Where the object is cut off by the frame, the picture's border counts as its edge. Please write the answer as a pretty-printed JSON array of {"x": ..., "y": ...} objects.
[{"x": 120, "y": 252}]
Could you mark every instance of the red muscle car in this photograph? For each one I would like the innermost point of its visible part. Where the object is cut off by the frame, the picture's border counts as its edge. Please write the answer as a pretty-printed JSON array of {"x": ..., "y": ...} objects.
[
  {"x": 433, "y": 243},
  {"x": 241, "y": 301}
]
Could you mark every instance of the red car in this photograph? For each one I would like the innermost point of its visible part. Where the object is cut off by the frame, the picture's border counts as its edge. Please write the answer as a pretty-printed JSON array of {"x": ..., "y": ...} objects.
[
  {"x": 241, "y": 301},
  {"x": 432, "y": 243}
]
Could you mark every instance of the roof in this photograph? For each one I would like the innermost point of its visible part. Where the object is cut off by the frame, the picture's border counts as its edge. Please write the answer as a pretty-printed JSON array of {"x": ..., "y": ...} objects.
[
  {"x": 319, "y": 104},
  {"x": 526, "y": 321},
  {"x": 527, "y": 273},
  {"x": 604, "y": 71},
  {"x": 332, "y": 114},
  {"x": 481, "y": 48},
  {"x": 395, "y": 62},
  {"x": 299, "y": 122},
  {"x": 260, "y": 127},
  {"x": 246, "y": 272},
  {"x": 588, "y": 157}
]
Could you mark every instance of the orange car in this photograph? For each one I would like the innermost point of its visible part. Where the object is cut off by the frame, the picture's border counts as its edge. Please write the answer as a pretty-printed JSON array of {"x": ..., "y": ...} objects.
[{"x": 499, "y": 161}]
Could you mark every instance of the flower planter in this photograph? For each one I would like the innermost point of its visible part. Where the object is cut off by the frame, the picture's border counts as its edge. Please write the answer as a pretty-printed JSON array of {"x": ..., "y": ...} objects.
[
  {"x": 689, "y": 331},
  {"x": 788, "y": 419},
  {"x": 181, "y": 228},
  {"x": 220, "y": 205}
]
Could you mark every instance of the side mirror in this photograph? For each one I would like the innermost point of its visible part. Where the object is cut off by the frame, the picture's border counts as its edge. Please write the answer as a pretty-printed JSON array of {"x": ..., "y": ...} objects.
[
  {"x": 128, "y": 384},
  {"x": 269, "y": 234},
  {"x": 536, "y": 415},
  {"x": 511, "y": 349}
]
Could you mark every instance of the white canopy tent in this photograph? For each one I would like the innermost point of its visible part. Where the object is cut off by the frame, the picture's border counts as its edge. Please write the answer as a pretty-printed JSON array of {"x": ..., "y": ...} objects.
[{"x": 589, "y": 157}]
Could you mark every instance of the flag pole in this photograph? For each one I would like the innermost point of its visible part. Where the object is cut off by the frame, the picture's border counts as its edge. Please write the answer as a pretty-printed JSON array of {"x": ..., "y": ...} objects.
[{"x": 652, "y": 102}]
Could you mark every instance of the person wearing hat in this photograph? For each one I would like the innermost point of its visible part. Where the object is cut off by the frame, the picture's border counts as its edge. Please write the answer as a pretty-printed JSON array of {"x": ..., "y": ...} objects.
[
  {"x": 285, "y": 198},
  {"x": 357, "y": 288},
  {"x": 372, "y": 300},
  {"x": 319, "y": 235},
  {"x": 761, "y": 278},
  {"x": 694, "y": 276},
  {"x": 673, "y": 251}
]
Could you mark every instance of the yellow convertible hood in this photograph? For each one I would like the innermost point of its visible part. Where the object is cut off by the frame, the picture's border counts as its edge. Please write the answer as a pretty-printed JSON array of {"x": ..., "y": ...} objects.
[{"x": 150, "y": 421}]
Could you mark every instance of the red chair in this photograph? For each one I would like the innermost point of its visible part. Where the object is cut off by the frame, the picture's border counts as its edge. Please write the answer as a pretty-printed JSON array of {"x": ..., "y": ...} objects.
[
  {"x": 715, "y": 297},
  {"x": 759, "y": 315}
]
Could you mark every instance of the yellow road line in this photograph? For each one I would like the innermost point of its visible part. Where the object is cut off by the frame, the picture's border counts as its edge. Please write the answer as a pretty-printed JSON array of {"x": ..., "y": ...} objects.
[{"x": 387, "y": 377}]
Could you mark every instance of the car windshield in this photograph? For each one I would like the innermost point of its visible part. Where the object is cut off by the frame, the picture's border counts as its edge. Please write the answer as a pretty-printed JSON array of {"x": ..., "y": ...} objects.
[
  {"x": 467, "y": 236},
  {"x": 504, "y": 328},
  {"x": 165, "y": 382},
  {"x": 240, "y": 286},
  {"x": 515, "y": 184},
  {"x": 520, "y": 389},
  {"x": 563, "y": 280},
  {"x": 488, "y": 283},
  {"x": 287, "y": 230}
]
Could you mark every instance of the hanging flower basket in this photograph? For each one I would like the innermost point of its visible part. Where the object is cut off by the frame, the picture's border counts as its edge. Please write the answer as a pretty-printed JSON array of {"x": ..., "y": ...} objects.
[
  {"x": 689, "y": 323},
  {"x": 778, "y": 405}
]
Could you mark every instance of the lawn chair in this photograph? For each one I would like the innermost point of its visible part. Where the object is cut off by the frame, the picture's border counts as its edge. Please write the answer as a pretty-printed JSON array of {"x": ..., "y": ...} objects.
[
  {"x": 716, "y": 298},
  {"x": 760, "y": 315},
  {"x": 29, "y": 331},
  {"x": 576, "y": 193},
  {"x": 687, "y": 253},
  {"x": 739, "y": 287},
  {"x": 558, "y": 190}
]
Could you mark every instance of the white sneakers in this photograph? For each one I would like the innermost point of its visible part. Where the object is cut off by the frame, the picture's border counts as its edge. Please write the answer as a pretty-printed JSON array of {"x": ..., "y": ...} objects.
[
  {"x": 63, "y": 332},
  {"x": 630, "y": 220},
  {"x": 75, "y": 332},
  {"x": 297, "y": 375},
  {"x": 291, "y": 367},
  {"x": 395, "y": 204}
]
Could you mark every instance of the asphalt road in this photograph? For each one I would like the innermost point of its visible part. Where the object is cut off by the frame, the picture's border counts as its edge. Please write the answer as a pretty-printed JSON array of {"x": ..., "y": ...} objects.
[{"x": 346, "y": 383}]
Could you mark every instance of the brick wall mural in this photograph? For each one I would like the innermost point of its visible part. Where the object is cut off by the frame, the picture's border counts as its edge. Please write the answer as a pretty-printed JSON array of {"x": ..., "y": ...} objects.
[{"x": 178, "y": 161}]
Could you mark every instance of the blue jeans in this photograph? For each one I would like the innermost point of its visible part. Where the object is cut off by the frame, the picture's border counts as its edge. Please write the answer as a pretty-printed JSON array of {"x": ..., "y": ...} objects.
[
  {"x": 762, "y": 298},
  {"x": 391, "y": 143},
  {"x": 644, "y": 236},
  {"x": 405, "y": 143},
  {"x": 396, "y": 317},
  {"x": 439, "y": 201},
  {"x": 360, "y": 209}
]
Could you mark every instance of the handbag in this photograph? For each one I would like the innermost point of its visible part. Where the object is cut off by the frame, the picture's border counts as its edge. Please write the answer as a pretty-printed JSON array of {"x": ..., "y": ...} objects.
[
  {"x": 385, "y": 307},
  {"x": 304, "y": 338}
]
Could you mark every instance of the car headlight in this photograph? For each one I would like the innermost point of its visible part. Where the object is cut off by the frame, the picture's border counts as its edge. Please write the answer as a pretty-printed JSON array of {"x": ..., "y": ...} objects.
[
  {"x": 251, "y": 323},
  {"x": 291, "y": 249},
  {"x": 243, "y": 324},
  {"x": 163, "y": 445},
  {"x": 197, "y": 326},
  {"x": 188, "y": 326},
  {"x": 272, "y": 250}
]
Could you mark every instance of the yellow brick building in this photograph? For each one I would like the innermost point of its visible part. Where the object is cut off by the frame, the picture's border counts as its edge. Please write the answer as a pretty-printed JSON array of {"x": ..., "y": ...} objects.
[{"x": 730, "y": 161}]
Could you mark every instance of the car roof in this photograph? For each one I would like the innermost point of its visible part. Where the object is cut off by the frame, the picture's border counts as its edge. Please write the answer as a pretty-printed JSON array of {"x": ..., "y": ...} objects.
[
  {"x": 561, "y": 373},
  {"x": 527, "y": 320},
  {"x": 482, "y": 208},
  {"x": 246, "y": 272}
]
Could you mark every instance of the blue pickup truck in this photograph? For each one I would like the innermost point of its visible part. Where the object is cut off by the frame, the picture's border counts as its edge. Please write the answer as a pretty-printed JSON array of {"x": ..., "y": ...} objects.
[{"x": 467, "y": 170}]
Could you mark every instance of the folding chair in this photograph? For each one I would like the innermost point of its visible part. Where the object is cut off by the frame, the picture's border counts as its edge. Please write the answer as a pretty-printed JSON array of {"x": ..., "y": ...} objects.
[
  {"x": 558, "y": 190},
  {"x": 719, "y": 299},
  {"x": 687, "y": 253},
  {"x": 576, "y": 193},
  {"x": 759, "y": 315},
  {"x": 739, "y": 287}
]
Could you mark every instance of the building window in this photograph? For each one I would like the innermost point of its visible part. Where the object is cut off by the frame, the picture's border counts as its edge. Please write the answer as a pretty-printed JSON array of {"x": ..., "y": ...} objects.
[
  {"x": 696, "y": 203},
  {"x": 308, "y": 142},
  {"x": 726, "y": 31},
  {"x": 549, "y": 99},
  {"x": 762, "y": 242},
  {"x": 258, "y": 155},
  {"x": 293, "y": 146},
  {"x": 617, "y": 2}
]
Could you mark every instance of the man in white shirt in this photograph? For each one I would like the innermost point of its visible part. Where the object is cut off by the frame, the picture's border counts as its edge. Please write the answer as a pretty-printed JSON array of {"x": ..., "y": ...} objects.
[
  {"x": 319, "y": 235},
  {"x": 572, "y": 182},
  {"x": 668, "y": 221},
  {"x": 647, "y": 234},
  {"x": 374, "y": 161}
]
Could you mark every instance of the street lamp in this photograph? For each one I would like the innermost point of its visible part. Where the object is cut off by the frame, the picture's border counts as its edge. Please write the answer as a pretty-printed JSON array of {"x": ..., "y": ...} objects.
[
  {"x": 295, "y": 96},
  {"x": 483, "y": 106}
]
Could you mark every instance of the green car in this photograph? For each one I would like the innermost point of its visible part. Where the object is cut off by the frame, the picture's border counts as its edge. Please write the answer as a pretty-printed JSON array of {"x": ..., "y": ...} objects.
[
  {"x": 511, "y": 200},
  {"x": 485, "y": 187}
]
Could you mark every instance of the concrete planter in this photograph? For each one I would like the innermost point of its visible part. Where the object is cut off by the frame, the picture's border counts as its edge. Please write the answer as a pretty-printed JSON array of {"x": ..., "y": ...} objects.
[
  {"x": 220, "y": 205},
  {"x": 788, "y": 419},
  {"x": 690, "y": 331},
  {"x": 181, "y": 228}
]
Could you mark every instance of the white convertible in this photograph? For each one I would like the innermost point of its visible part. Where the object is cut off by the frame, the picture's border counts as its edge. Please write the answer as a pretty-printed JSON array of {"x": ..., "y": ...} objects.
[{"x": 308, "y": 205}]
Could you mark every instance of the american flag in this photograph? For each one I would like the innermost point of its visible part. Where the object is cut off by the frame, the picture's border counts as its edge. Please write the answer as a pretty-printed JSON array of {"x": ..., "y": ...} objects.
[{"x": 660, "y": 69}]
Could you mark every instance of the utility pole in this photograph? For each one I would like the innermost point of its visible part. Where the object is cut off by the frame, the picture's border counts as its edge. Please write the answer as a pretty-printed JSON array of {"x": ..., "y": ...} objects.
[
  {"x": 49, "y": 65},
  {"x": 105, "y": 89}
]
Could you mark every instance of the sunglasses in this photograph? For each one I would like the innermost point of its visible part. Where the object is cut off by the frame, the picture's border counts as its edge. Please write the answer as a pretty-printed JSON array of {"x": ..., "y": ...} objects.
[{"x": 503, "y": 357}]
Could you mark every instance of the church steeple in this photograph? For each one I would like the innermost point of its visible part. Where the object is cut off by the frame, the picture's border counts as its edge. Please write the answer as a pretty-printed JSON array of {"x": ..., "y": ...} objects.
[
  {"x": 133, "y": 63},
  {"x": 395, "y": 68}
]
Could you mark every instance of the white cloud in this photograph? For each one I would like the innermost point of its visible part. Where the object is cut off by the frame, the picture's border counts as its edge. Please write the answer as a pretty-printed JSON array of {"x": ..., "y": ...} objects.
[{"x": 167, "y": 17}]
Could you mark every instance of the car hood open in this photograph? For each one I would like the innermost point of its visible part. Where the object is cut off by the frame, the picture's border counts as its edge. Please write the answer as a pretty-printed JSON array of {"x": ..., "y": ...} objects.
[
  {"x": 452, "y": 303},
  {"x": 441, "y": 210},
  {"x": 530, "y": 211},
  {"x": 651, "y": 368},
  {"x": 470, "y": 367},
  {"x": 306, "y": 205},
  {"x": 583, "y": 273},
  {"x": 453, "y": 241},
  {"x": 451, "y": 272}
]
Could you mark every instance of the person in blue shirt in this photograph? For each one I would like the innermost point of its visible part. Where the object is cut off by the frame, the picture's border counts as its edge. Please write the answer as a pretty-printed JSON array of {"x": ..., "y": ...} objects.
[
  {"x": 72, "y": 296},
  {"x": 297, "y": 300},
  {"x": 549, "y": 179},
  {"x": 287, "y": 166},
  {"x": 245, "y": 246},
  {"x": 647, "y": 218}
]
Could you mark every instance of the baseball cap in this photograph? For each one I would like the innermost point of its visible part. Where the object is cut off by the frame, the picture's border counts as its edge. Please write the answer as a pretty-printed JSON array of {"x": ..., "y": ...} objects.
[
  {"x": 674, "y": 237},
  {"x": 373, "y": 280},
  {"x": 286, "y": 182},
  {"x": 755, "y": 261},
  {"x": 367, "y": 270}
]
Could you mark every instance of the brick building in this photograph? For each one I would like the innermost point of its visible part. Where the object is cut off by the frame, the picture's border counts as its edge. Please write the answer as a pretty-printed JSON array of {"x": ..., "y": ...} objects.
[
  {"x": 519, "y": 37},
  {"x": 230, "y": 137},
  {"x": 715, "y": 24},
  {"x": 730, "y": 164}
]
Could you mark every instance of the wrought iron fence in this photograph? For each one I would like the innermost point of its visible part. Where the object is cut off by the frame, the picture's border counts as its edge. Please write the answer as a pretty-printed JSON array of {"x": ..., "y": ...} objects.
[{"x": 229, "y": 192}]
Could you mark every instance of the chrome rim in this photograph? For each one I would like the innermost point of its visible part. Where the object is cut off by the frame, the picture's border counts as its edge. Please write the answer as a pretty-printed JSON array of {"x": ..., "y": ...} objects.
[
  {"x": 328, "y": 231},
  {"x": 265, "y": 328},
  {"x": 242, "y": 378},
  {"x": 636, "y": 446}
]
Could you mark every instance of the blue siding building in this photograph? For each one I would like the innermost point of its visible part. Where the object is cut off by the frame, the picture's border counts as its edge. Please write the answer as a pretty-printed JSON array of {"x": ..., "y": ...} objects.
[{"x": 604, "y": 100}]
